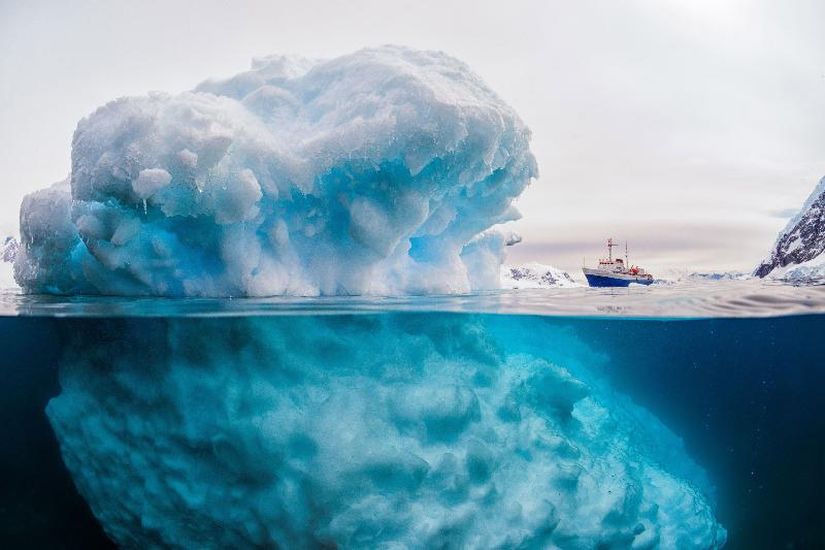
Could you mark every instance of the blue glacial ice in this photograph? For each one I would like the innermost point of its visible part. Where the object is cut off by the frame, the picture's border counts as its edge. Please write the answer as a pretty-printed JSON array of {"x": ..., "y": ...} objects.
[
  {"x": 377, "y": 172},
  {"x": 367, "y": 431}
]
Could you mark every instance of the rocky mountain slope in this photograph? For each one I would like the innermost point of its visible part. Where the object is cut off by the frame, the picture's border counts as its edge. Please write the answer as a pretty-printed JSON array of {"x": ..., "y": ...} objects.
[
  {"x": 8, "y": 252},
  {"x": 797, "y": 255}
]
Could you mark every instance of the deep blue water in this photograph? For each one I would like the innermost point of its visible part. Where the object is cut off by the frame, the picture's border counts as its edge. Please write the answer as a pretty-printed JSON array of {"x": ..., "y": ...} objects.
[
  {"x": 39, "y": 506},
  {"x": 744, "y": 395},
  {"x": 747, "y": 396}
]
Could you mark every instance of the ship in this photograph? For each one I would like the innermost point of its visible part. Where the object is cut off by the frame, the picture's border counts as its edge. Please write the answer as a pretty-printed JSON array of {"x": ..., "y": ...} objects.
[{"x": 615, "y": 271}]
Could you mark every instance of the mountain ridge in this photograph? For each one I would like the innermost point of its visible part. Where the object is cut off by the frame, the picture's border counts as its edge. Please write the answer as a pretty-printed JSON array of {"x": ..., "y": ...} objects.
[{"x": 795, "y": 252}]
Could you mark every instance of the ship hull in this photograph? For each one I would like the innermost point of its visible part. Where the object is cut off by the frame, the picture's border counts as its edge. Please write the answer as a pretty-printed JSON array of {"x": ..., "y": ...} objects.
[{"x": 602, "y": 279}]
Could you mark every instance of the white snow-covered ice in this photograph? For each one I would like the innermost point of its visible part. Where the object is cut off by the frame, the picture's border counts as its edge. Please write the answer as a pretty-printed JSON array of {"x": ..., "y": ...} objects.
[
  {"x": 376, "y": 172},
  {"x": 685, "y": 275},
  {"x": 811, "y": 272}
]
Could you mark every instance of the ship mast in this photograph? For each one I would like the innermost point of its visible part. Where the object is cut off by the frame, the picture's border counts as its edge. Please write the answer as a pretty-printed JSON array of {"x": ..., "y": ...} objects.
[
  {"x": 610, "y": 246},
  {"x": 626, "y": 260}
]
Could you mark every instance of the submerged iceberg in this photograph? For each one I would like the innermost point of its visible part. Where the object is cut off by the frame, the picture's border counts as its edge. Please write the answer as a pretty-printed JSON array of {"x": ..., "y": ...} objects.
[
  {"x": 375, "y": 172},
  {"x": 367, "y": 431}
]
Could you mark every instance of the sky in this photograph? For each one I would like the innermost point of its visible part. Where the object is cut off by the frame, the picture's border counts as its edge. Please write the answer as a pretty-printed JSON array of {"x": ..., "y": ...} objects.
[{"x": 691, "y": 128}]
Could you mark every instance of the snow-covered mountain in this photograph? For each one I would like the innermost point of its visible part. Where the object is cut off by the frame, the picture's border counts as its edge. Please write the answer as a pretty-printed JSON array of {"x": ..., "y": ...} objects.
[
  {"x": 535, "y": 275},
  {"x": 8, "y": 252},
  {"x": 718, "y": 276},
  {"x": 798, "y": 255}
]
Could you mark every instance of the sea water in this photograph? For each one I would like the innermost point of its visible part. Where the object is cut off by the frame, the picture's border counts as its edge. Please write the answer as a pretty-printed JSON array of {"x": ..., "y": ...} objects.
[{"x": 685, "y": 416}]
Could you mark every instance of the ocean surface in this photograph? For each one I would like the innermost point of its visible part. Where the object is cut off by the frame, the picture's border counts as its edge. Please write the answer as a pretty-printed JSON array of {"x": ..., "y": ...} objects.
[{"x": 685, "y": 415}]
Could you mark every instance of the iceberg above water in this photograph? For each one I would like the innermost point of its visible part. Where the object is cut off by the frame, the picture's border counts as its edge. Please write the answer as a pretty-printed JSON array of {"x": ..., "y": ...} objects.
[
  {"x": 366, "y": 431},
  {"x": 377, "y": 172}
]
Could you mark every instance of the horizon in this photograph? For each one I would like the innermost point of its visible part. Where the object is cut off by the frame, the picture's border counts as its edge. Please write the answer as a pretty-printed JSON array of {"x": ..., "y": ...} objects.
[{"x": 692, "y": 130}]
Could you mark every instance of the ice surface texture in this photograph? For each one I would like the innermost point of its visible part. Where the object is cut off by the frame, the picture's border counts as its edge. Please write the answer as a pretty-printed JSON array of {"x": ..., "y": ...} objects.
[
  {"x": 376, "y": 172},
  {"x": 366, "y": 431}
]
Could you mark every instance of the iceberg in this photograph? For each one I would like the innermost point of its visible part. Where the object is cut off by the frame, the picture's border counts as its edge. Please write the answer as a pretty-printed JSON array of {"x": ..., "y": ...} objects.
[
  {"x": 378, "y": 172},
  {"x": 367, "y": 431}
]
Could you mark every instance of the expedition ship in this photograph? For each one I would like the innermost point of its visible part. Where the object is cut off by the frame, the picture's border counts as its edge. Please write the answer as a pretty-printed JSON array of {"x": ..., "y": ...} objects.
[{"x": 614, "y": 272}]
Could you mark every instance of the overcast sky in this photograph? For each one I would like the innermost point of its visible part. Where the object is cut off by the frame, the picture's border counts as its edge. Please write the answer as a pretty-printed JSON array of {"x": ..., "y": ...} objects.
[{"x": 692, "y": 128}]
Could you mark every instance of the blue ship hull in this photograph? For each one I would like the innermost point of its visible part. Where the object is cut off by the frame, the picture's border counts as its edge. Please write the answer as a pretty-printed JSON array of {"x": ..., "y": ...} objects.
[{"x": 600, "y": 281}]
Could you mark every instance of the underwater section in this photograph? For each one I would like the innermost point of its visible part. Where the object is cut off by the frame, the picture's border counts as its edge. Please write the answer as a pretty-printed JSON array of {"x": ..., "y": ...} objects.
[{"x": 363, "y": 431}]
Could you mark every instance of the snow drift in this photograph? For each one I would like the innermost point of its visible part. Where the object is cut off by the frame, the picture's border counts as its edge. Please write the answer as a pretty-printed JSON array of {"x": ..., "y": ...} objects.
[
  {"x": 366, "y": 431},
  {"x": 376, "y": 172}
]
